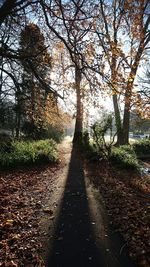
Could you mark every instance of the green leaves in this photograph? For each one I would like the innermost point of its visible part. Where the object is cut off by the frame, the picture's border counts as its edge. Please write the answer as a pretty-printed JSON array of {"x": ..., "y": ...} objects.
[
  {"x": 142, "y": 147},
  {"x": 125, "y": 157},
  {"x": 23, "y": 153},
  {"x": 100, "y": 128}
]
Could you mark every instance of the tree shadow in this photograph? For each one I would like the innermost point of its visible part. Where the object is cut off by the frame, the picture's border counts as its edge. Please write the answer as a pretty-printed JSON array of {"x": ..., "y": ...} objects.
[{"x": 74, "y": 243}]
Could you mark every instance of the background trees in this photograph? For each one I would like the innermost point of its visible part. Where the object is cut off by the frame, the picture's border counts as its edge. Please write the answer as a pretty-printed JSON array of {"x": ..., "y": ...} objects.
[
  {"x": 71, "y": 28},
  {"x": 33, "y": 99},
  {"x": 143, "y": 96},
  {"x": 139, "y": 124},
  {"x": 122, "y": 30},
  {"x": 101, "y": 45}
]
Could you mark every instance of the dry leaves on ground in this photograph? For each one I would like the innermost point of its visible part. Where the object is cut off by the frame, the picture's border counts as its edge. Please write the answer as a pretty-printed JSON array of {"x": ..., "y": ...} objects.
[
  {"x": 23, "y": 199},
  {"x": 129, "y": 214}
]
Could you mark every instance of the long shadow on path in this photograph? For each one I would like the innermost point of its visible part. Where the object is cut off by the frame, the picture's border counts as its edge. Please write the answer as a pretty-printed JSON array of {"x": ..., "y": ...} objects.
[{"x": 74, "y": 243}]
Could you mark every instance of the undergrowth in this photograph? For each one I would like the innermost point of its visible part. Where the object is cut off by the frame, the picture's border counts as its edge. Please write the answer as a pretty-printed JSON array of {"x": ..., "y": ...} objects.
[
  {"x": 124, "y": 157},
  {"x": 19, "y": 153},
  {"x": 142, "y": 147}
]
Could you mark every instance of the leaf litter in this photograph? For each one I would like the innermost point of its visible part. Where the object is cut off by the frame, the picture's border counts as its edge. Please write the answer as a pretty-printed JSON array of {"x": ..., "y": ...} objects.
[
  {"x": 126, "y": 210},
  {"x": 23, "y": 202}
]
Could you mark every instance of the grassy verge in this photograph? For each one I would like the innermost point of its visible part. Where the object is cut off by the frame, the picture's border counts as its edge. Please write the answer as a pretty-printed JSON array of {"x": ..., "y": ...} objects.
[{"x": 20, "y": 153}]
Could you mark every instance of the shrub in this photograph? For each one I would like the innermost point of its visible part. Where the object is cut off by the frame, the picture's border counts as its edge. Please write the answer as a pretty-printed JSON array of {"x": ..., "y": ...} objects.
[
  {"x": 5, "y": 147},
  {"x": 55, "y": 132},
  {"x": 91, "y": 152},
  {"x": 31, "y": 131},
  {"x": 99, "y": 129},
  {"x": 142, "y": 147},
  {"x": 25, "y": 153},
  {"x": 124, "y": 157}
]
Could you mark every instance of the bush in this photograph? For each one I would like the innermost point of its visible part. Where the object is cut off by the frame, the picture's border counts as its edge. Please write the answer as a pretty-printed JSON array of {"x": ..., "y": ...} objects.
[
  {"x": 56, "y": 133},
  {"x": 124, "y": 157},
  {"x": 33, "y": 132},
  {"x": 25, "y": 153},
  {"x": 99, "y": 129},
  {"x": 89, "y": 148},
  {"x": 6, "y": 147},
  {"x": 93, "y": 154},
  {"x": 142, "y": 148}
]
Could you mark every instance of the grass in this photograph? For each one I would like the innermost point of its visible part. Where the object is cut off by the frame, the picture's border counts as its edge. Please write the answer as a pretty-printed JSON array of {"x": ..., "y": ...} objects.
[{"x": 20, "y": 153}]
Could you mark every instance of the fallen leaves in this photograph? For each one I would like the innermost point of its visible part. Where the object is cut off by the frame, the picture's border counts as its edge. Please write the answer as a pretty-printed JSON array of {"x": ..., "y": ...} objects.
[
  {"x": 128, "y": 213},
  {"x": 8, "y": 223},
  {"x": 48, "y": 210},
  {"x": 23, "y": 198}
]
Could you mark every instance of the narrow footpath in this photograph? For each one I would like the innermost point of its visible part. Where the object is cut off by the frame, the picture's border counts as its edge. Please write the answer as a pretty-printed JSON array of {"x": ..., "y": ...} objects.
[{"x": 80, "y": 235}]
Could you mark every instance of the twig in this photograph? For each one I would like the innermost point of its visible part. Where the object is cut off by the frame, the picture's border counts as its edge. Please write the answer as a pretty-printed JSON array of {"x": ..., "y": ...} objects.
[
  {"x": 122, "y": 248},
  {"x": 3, "y": 180}
]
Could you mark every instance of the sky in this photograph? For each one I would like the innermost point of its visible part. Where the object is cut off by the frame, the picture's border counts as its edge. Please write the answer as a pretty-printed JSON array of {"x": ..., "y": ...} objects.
[{"x": 1, "y": 2}]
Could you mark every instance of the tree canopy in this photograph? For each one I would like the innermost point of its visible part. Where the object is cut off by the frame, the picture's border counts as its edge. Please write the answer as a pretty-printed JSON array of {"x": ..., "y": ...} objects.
[{"x": 88, "y": 49}]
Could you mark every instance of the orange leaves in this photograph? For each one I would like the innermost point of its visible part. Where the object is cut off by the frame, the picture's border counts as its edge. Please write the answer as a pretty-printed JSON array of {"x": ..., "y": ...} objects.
[
  {"x": 135, "y": 12},
  {"x": 19, "y": 224},
  {"x": 130, "y": 79},
  {"x": 142, "y": 105},
  {"x": 60, "y": 46},
  {"x": 47, "y": 59},
  {"x": 90, "y": 51},
  {"x": 54, "y": 115},
  {"x": 125, "y": 208},
  {"x": 8, "y": 223}
]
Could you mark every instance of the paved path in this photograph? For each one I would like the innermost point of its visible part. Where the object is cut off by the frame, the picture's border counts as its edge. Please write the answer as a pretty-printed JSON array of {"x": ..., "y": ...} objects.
[{"x": 82, "y": 236}]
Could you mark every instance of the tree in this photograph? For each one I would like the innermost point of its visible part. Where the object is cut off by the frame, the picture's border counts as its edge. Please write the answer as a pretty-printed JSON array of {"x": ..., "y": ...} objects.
[
  {"x": 70, "y": 28},
  {"x": 119, "y": 64},
  {"x": 143, "y": 97},
  {"x": 11, "y": 8},
  {"x": 11, "y": 67},
  {"x": 7, "y": 118},
  {"x": 34, "y": 97},
  {"x": 138, "y": 123},
  {"x": 91, "y": 33},
  {"x": 140, "y": 33}
]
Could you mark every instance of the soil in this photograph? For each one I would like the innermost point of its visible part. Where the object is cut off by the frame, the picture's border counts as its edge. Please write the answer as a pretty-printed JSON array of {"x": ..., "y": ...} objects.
[{"x": 60, "y": 215}]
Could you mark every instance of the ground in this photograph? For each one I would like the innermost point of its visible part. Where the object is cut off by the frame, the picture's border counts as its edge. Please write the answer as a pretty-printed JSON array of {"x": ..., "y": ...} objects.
[
  {"x": 127, "y": 200},
  {"x": 56, "y": 216}
]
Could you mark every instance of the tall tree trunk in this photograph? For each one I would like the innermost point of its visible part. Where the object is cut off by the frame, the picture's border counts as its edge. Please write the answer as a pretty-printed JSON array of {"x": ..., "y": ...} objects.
[
  {"x": 126, "y": 121},
  {"x": 127, "y": 107},
  {"x": 128, "y": 96},
  {"x": 18, "y": 111},
  {"x": 118, "y": 121},
  {"x": 79, "y": 108},
  {"x": 18, "y": 120},
  {"x": 33, "y": 103},
  {"x": 115, "y": 97},
  {"x": 129, "y": 89},
  {"x": 123, "y": 127}
]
